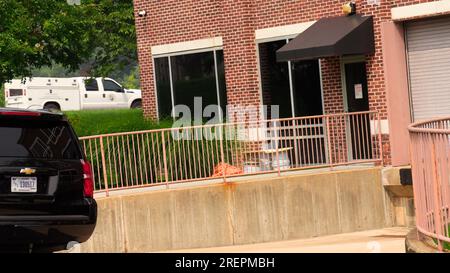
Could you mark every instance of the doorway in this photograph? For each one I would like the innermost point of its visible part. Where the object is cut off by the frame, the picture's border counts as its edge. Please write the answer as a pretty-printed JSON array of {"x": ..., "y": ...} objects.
[
  {"x": 296, "y": 88},
  {"x": 357, "y": 100}
]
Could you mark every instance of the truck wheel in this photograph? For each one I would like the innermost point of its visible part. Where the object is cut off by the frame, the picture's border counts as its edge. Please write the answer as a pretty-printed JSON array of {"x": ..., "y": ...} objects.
[
  {"x": 52, "y": 107},
  {"x": 136, "y": 104}
]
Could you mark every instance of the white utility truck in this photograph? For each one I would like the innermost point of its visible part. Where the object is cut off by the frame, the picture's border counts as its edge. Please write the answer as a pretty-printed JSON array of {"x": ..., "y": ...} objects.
[{"x": 70, "y": 94}]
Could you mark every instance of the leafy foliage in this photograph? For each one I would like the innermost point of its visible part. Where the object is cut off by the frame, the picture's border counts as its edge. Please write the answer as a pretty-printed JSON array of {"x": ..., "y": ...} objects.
[
  {"x": 112, "y": 33},
  {"x": 37, "y": 33},
  {"x": 55, "y": 70},
  {"x": 131, "y": 81},
  {"x": 2, "y": 96}
]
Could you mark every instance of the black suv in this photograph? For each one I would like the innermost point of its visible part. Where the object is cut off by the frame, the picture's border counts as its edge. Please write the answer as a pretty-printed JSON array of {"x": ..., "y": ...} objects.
[{"x": 46, "y": 187}]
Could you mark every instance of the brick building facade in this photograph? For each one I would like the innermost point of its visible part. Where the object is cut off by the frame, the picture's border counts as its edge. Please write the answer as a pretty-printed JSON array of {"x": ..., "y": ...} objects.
[{"x": 238, "y": 26}]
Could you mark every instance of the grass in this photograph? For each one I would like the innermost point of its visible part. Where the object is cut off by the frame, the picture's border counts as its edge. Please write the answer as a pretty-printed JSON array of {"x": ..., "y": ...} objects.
[
  {"x": 445, "y": 245},
  {"x": 97, "y": 122}
]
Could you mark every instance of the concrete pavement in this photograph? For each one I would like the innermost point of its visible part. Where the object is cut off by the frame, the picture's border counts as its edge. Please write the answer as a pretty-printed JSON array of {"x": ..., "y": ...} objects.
[{"x": 388, "y": 240}]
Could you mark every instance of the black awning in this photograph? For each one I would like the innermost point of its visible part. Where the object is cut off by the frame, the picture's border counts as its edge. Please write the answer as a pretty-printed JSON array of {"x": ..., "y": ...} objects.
[{"x": 337, "y": 36}]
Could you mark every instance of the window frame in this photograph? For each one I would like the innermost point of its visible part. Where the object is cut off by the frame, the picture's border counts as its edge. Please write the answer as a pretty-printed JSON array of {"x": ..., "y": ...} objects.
[
  {"x": 93, "y": 79},
  {"x": 286, "y": 38},
  {"x": 187, "y": 52},
  {"x": 121, "y": 90}
]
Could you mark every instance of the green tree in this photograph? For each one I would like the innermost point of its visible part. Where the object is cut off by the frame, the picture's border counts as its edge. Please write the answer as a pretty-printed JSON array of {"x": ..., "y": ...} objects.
[
  {"x": 113, "y": 34},
  {"x": 131, "y": 81},
  {"x": 33, "y": 33},
  {"x": 39, "y": 33},
  {"x": 55, "y": 70}
]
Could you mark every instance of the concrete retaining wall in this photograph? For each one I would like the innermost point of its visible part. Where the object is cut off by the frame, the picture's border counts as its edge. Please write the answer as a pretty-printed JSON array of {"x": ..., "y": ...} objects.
[
  {"x": 400, "y": 198},
  {"x": 274, "y": 209}
]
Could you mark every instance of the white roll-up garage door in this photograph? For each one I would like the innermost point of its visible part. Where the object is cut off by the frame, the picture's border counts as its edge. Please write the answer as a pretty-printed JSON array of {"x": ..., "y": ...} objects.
[{"x": 429, "y": 67}]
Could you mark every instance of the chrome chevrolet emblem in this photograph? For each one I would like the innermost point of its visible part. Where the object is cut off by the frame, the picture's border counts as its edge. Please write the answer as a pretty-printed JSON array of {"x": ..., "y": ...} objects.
[{"x": 28, "y": 171}]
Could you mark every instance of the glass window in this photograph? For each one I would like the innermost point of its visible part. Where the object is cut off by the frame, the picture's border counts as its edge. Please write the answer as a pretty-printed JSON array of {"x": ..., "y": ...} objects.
[
  {"x": 275, "y": 79},
  {"x": 109, "y": 85},
  {"x": 193, "y": 75},
  {"x": 15, "y": 92},
  {"x": 307, "y": 89},
  {"x": 163, "y": 87},
  {"x": 38, "y": 139},
  {"x": 221, "y": 80},
  {"x": 91, "y": 85}
]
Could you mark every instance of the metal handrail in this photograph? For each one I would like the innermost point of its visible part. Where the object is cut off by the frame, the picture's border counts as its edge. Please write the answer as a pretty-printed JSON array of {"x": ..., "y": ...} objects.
[
  {"x": 430, "y": 161},
  {"x": 219, "y": 151}
]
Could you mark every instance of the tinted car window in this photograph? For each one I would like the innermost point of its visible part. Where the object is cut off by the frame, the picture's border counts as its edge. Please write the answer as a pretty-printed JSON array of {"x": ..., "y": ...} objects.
[
  {"x": 111, "y": 86},
  {"x": 91, "y": 85},
  {"x": 38, "y": 139}
]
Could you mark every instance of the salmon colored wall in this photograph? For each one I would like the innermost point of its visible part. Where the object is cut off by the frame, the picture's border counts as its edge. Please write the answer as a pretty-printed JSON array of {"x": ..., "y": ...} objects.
[{"x": 397, "y": 94}]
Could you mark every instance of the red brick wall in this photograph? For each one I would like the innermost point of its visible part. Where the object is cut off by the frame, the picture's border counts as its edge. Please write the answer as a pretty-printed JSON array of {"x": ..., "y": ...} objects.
[
  {"x": 239, "y": 48},
  {"x": 170, "y": 21}
]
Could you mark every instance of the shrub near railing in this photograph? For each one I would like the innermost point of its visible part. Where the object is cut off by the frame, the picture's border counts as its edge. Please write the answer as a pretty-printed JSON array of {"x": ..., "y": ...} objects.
[{"x": 155, "y": 157}]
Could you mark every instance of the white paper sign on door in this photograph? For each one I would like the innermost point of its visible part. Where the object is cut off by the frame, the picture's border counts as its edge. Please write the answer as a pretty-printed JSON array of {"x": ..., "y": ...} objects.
[{"x": 358, "y": 91}]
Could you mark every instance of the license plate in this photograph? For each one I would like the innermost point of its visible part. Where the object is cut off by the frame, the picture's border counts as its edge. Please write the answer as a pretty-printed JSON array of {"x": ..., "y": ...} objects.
[{"x": 23, "y": 184}]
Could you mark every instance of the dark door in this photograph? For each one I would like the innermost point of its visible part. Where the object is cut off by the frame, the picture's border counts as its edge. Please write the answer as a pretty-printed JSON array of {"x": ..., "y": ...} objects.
[
  {"x": 310, "y": 144},
  {"x": 358, "y": 101}
]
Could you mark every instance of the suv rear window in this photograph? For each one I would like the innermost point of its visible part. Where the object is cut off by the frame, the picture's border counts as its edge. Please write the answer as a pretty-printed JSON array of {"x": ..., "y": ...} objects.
[{"x": 38, "y": 139}]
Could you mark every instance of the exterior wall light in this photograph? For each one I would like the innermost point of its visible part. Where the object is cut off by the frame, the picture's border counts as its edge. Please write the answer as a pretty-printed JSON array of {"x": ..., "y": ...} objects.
[
  {"x": 142, "y": 13},
  {"x": 349, "y": 8}
]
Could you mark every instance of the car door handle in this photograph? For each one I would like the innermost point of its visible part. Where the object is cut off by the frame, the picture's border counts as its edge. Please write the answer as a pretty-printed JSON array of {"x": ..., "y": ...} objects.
[
  {"x": 104, "y": 95},
  {"x": 85, "y": 96}
]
